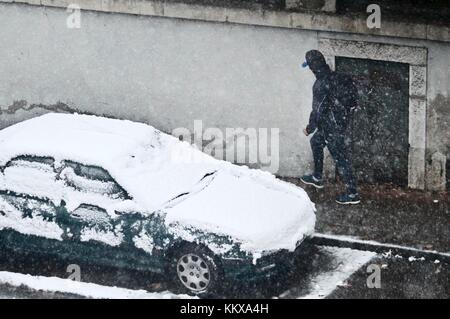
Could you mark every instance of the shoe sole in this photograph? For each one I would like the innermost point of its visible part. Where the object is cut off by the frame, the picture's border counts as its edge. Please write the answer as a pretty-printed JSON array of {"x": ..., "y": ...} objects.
[
  {"x": 308, "y": 183},
  {"x": 348, "y": 203}
]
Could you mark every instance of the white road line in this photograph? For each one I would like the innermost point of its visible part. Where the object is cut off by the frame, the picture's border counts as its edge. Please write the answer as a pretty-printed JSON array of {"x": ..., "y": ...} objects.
[
  {"x": 374, "y": 244},
  {"x": 345, "y": 262}
]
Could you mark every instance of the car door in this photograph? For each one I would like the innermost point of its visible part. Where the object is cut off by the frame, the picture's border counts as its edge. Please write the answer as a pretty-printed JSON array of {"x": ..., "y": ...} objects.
[
  {"x": 93, "y": 229},
  {"x": 90, "y": 232},
  {"x": 28, "y": 193}
]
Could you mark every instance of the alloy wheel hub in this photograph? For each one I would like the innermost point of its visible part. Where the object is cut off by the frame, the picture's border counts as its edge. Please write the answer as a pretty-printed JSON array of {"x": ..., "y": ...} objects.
[{"x": 193, "y": 272}]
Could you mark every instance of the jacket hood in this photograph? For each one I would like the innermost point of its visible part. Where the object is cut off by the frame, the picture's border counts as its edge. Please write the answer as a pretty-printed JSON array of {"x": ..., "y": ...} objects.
[{"x": 317, "y": 64}]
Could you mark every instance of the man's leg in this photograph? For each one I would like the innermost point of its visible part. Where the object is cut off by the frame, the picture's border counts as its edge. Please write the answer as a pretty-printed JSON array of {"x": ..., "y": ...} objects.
[
  {"x": 317, "y": 145},
  {"x": 338, "y": 149}
]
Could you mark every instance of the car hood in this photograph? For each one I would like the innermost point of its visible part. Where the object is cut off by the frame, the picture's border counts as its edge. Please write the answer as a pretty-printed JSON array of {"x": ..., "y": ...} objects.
[{"x": 261, "y": 213}]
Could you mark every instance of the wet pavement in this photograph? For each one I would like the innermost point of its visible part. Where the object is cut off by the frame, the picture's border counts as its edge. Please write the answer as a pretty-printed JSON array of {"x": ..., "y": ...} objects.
[
  {"x": 387, "y": 214},
  {"x": 400, "y": 278},
  {"x": 326, "y": 272},
  {"x": 12, "y": 292}
]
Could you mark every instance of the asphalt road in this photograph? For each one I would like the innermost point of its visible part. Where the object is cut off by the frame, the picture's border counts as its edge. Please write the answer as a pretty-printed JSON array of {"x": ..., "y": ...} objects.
[{"x": 327, "y": 272}]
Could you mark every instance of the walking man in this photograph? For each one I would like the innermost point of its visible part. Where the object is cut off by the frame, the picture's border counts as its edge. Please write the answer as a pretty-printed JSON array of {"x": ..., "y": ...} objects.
[{"x": 334, "y": 96}]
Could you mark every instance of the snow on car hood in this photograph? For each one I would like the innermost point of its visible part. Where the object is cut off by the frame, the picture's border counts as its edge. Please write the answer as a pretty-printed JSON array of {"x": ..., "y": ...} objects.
[
  {"x": 252, "y": 205},
  {"x": 262, "y": 218}
]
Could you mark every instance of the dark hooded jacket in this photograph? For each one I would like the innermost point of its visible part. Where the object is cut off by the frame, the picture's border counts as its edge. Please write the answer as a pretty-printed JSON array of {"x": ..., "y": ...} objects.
[{"x": 334, "y": 96}]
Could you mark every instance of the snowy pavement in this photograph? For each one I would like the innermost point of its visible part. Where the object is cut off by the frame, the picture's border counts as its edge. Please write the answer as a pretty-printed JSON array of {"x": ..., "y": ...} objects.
[{"x": 82, "y": 289}]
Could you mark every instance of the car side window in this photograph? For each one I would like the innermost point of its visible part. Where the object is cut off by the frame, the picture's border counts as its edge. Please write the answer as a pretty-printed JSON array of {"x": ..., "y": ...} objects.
[
  {"x": 31, "y": 207},
  {"x": 91, "y": 179},
  {"x": 29, "y": 175},
  {"x": 36, "y": 162}
]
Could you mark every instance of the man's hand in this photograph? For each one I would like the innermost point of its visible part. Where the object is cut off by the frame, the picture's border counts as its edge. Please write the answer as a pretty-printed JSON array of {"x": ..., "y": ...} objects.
[{"x": 305, "y": 132}]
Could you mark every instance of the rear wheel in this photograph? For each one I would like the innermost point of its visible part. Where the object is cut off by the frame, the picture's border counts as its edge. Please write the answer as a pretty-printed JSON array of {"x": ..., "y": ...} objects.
[{"x": 195, "y": 270}]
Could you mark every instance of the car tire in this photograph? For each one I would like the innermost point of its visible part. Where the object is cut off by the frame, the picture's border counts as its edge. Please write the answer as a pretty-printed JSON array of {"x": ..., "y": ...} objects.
[
  {"x": 195, "y": 270},
  {"x": 305, "y": 258}
]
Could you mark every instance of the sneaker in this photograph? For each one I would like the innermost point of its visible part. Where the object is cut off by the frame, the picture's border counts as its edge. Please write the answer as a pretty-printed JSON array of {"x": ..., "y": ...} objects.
[
  {"x": 311, "y": 180},
  {"x": 346, "y": 199}
]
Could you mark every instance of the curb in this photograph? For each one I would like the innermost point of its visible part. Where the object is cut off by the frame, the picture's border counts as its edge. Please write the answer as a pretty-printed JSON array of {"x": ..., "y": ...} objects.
[{"x": 404, "y": 251}]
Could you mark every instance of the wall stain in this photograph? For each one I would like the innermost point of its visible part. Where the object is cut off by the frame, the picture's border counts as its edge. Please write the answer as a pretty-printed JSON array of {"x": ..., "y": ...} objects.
[
  {"x": 23, "y": 105},
  {"x": 438, "y": 133}
]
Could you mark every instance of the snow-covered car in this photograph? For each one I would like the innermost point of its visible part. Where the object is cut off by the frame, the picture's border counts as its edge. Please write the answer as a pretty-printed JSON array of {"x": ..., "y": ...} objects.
[{"x": 121, "y": 193}]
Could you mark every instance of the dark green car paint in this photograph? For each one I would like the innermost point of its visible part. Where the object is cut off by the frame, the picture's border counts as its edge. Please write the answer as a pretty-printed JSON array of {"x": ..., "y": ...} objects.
[{"x": 125, "y": 255}]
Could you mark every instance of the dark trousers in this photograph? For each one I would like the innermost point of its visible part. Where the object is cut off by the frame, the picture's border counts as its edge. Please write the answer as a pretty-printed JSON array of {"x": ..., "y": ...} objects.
[{"x": 338, "y": 150}]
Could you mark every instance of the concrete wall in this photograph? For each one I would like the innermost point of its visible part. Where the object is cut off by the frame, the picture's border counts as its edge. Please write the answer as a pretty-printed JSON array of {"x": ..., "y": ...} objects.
[{"x": 170, "y": 72}]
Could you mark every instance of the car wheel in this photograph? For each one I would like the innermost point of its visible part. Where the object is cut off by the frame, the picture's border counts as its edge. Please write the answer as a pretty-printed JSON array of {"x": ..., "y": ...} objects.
[{"x": 195, "y": 270}]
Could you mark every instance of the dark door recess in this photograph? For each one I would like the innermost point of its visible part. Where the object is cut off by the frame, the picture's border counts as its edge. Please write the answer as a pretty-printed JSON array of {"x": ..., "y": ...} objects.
[{"x": 379, "y": 128}]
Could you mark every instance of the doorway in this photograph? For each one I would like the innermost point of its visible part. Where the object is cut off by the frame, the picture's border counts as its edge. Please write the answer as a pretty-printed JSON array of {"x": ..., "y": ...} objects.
[{"x": 379, "y": 127}]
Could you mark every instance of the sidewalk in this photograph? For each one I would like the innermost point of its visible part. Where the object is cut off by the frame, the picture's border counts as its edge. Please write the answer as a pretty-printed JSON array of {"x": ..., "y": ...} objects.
[{"x": 386, "y": 214}]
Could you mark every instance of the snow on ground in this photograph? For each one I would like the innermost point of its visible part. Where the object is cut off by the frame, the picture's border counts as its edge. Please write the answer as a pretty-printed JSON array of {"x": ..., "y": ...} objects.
[
  {"x": 346, "y": 261},
  {"x": 88, "y": 290}
]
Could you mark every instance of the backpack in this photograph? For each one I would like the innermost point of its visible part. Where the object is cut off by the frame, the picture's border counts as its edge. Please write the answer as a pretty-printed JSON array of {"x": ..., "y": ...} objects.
[{"x": 344, "y": 95}]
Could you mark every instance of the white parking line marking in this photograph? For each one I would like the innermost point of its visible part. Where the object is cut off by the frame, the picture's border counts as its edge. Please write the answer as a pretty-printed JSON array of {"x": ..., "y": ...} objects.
[
  {"x": 345, "y": 262},
  {"x": 370, "y": 245}
]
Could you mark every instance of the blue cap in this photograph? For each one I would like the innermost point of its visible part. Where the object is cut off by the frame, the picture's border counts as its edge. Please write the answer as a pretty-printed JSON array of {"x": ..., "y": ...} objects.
[{"x": 304, "y": 64}]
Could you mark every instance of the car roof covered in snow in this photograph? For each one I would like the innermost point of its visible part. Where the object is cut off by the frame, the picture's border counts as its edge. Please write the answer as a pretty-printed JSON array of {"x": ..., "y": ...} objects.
[{"x": 89, "y": 137}]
